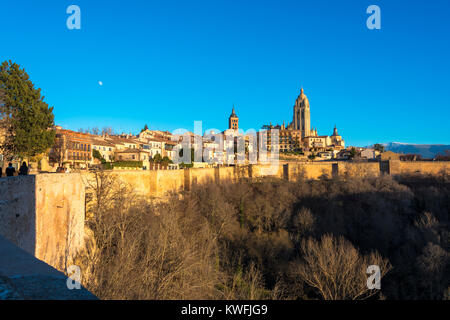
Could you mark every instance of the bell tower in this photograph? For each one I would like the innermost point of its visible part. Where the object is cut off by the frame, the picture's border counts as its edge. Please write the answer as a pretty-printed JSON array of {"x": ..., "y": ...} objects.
[
  {"x": 233, "y": 121},
  {"x": 302, "y": 117}
]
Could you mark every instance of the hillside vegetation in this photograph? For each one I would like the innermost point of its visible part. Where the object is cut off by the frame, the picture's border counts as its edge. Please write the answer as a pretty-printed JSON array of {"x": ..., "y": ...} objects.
[{"x": 272, "y": 239}]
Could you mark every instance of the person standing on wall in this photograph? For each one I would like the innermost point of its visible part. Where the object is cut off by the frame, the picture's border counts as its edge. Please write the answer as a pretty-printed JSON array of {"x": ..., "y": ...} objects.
[
  {"x": 23, "y": 171},
  {"x": 10, "y": 170}
]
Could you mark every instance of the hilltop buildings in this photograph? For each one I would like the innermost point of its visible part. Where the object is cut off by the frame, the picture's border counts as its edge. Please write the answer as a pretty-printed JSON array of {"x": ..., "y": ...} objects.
[
  {"x": 157, "y": 142},
  {"x": 76, "y": 149},
  {"x": 227, "y": 147},
  {"x": 153, "y": 148},
  {"x": 299, "y": 135},
  {"x": 71, "y": 146}
]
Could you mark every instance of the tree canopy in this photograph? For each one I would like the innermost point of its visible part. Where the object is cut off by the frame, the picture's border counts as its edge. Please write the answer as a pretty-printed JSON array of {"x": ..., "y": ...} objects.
[
  {"x": 379, "y": 147},
  {"x": 145, "y": 128},
  {"x": 26, "y": 120}
]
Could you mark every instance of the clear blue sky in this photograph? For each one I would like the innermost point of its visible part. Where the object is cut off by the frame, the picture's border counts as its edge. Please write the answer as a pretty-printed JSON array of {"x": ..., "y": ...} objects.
[{"x": 168, "y": 63}]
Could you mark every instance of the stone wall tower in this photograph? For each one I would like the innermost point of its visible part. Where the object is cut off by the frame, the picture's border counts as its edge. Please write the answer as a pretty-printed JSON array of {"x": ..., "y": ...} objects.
[
  {"x": 233, "y": 121},
  {"x": 302, "y": 117}
]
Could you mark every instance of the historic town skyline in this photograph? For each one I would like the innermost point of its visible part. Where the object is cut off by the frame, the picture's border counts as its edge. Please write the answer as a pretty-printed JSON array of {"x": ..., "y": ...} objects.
[
  {"x": 223, "y": 156},
  {"x": 151, "y": 63}
]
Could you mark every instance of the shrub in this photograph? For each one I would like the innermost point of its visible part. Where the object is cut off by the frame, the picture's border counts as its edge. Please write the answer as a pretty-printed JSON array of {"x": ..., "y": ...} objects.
[
  {"x": 97, "y": 155},
  {"x": 122, "y": 164}
]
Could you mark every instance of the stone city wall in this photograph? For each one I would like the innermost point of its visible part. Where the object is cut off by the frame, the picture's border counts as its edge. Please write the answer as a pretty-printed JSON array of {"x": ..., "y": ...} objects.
[
  {"x": 423, "y": 167},
  {"x": 44, "y": 214},
  {"x": 361, "y": 169}
]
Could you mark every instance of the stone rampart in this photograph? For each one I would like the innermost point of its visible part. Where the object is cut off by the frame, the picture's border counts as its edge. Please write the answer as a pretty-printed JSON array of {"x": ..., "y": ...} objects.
[{"x": 44, "y": 214}]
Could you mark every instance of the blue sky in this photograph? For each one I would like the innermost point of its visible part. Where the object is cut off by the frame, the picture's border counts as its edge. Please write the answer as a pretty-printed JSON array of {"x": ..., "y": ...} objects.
[{"x": 169, "y": 63}]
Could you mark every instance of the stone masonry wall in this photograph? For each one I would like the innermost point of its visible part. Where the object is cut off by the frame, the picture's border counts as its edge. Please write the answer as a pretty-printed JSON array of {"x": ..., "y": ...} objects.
[
  {"x": 18, "y": 211},
  {"x": 44, "y": 214},
  {"x": 159, "y": 183},
  {"x": 60, "y": 214},
  {"x": 424, "y": 167}
]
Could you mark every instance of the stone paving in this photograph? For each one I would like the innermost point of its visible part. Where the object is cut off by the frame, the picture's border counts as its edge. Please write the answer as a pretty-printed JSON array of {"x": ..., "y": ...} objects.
[{"x": 22, "y": 276}]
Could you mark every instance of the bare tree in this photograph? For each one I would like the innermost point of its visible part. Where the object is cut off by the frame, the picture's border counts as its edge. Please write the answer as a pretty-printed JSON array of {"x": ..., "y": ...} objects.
[
  {"x": 336, "y": 269},
  {"x": 59, "y": 150},
  {"x": 172, "y": 257},
  {"x": 249, "y": 240},
  {"x": 248, "y": 285},
  {"x": 304, "y": 221},
  {"x": 107, "y": 131},
  {"x": 432, "y": 265},
  {"x": 95, "y": 131}
]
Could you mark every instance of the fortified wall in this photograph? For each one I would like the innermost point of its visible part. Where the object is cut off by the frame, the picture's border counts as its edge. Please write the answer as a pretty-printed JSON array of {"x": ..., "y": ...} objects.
[
  {"x": 406, "y": 167},
  {"x": 45, "y": 214},
  {"x": 159, "y": 183}
]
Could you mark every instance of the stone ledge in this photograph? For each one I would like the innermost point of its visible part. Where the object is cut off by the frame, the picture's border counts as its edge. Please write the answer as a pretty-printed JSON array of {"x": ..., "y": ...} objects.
[
  {"x": 41, "y": 287},
  {"x": 22, "y": 276}
]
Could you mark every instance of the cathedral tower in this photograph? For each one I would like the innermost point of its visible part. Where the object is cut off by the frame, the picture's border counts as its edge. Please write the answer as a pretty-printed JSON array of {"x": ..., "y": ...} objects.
[
  {"x": 233, "y": 121},
  {"x": 302, "y": 118}
]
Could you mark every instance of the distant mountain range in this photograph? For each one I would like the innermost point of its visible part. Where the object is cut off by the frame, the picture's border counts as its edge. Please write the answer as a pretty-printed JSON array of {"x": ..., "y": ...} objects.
[{"x": 425, "y": 150}]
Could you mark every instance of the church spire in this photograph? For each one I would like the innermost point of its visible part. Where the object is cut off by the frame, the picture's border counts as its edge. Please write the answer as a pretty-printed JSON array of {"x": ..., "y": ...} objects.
[
  {"x": 233, "y": 120},
  {"x": 233, "y": 113},
  {"x": 335, "y": 133}
]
